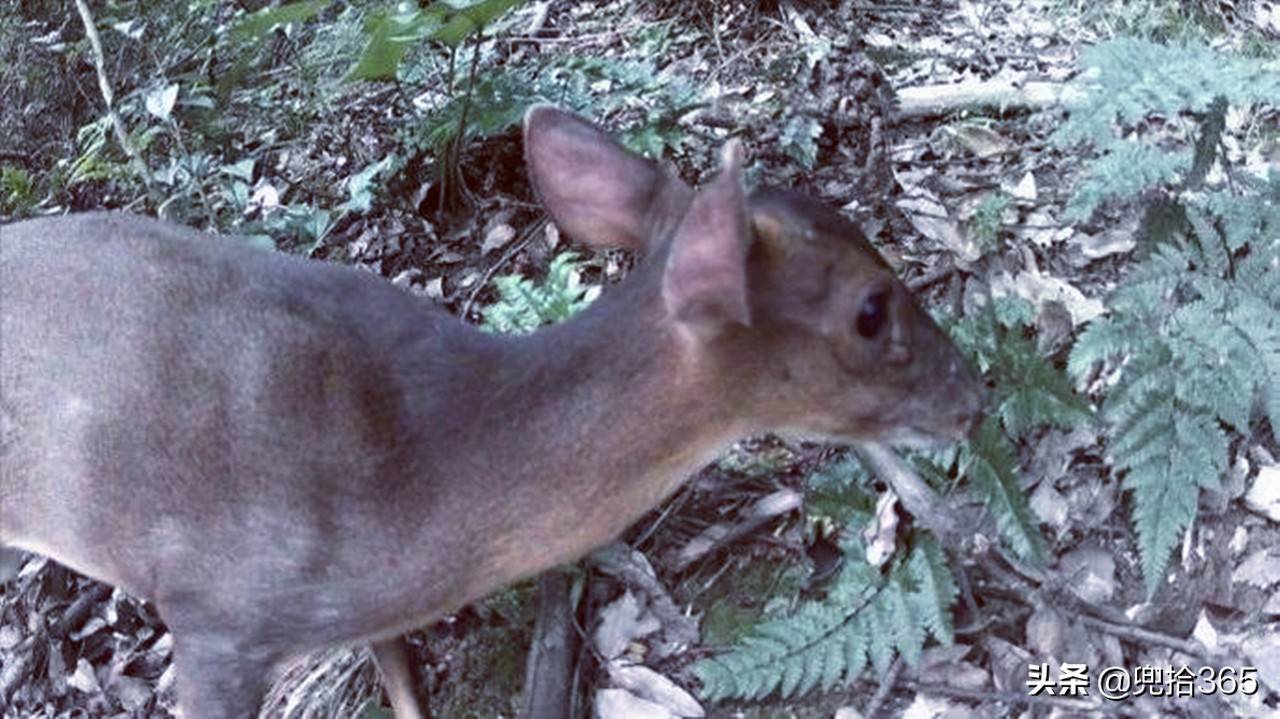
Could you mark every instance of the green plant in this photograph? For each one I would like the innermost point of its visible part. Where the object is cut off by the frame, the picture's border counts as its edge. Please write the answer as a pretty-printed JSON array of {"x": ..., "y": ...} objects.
[
  {"x": 866, "y": 615},
  {"x": 1195, "y": 327},
  {"x": 799, "y": 140},
  {"x": 17, "y": 192},
  {"x": 1030, "y": 393},
  {"x": 391, "y": 33},
  {"x": 594, "y": 86},
  {"x": 1135, "y": 79},
  {"x": 1192, "y": 329},
  {"x": 988, "y": 218},
  {"x": 524, "y": 305},
  {"x": 1158, "y": 20}
]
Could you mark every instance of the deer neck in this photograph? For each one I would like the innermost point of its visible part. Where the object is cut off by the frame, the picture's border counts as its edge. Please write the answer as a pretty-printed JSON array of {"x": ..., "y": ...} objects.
[{"x": 570, "y": 435}]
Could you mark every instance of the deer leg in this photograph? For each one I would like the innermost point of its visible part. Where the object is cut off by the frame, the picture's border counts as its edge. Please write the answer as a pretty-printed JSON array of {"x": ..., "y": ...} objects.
[
  {"x": 217, "y": 682},
  {"x": 400, "y": 679}
]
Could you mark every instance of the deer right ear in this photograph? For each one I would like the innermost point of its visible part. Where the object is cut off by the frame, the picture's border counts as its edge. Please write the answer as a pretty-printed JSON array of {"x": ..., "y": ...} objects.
[
  {"x": 705, "y": 282},
  {"x": 597, "y": 192}
]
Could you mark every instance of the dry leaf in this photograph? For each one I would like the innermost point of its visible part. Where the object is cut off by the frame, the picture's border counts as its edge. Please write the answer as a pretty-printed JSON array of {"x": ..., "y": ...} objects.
[
  {"x": 434, "y": 288},
  {"x": 497, "y": 236},
  {"x": 1046, "y": 632},
  {"x": 1038, "y": 288},
  {"x": 1260, "y": 569},
  {"x": 622, "y": 704},
  {"x": 83, "y": 678},
  {"x": 621, "y": 622},
  {"x": 1264, "y": 496},
  {"x": 880, "y": 535},
  {"x": 647, "y": 684},
  {"x": 1264, "y": 653},
  {"x": 1091, "y": 574},
  {"x": 983, "y": 142},
  {"x": 1049, "y": 505},
  {"x": 1024, "y": 189},
  {"x": 930, "y": 218},
  {"x": 1205, "y": 633}
]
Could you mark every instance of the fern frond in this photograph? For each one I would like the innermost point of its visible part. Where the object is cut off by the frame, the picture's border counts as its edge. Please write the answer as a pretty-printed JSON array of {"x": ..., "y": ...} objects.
[
  {"x": 524, "y": 305},
  {"x": 826, "y": 643},
  {"x": 990, "y": 462},
  {"x": 935, "y": 589},
  {"x": 1137, "y": 78},
  {"x": 1165, "y": 483},
  {"x": 1126, "y": 170},
  {"x": 1037, "y": 393}
]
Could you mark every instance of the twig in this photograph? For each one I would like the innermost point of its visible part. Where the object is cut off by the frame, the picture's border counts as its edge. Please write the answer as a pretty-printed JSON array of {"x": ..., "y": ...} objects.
[
  {"x": 1146, "y": 636},
  {"x": 506, "y": 256},
  {"x": 916, "y": 496},
  {"x": 884, "y": 689},
  {"x": 108, "y": 96}
]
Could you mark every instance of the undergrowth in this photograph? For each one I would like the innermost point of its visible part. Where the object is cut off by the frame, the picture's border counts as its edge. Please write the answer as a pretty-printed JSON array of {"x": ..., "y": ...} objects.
[{"x": 1190, "y": 340}]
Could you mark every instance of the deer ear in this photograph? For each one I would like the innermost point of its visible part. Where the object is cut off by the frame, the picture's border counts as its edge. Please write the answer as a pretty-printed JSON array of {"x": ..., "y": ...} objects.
[
  {"x": 705, "y": 281},
  {"x": 597, "y": 192}
]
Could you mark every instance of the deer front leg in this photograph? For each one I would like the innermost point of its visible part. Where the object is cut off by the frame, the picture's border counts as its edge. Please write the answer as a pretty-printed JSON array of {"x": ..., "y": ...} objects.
[
  {"x": 218, "y": 682},
  {"x": 400, "y": 679}
]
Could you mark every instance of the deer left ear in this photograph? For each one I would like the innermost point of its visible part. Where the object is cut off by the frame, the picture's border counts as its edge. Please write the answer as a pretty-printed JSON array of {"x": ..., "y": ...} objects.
[{"x": 705, "y": 282}]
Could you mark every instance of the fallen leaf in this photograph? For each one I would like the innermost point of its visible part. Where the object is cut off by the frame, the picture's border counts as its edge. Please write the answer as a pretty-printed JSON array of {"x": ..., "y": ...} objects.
[
  {"x": 931, "y": 219},
  {"x": 1091, "y": 574},
  {"x": 1024, "y": 189},
  {"x": 434, "y": 288},
  {"x": 620, "y": 623},
  {"x": 1260, "y": 569},
  {"x": 880, "y": 535},
  {"x": 1205, "y": 632},
  {"x": 1038, "y": 288},
  {"x": 1108, "y": 242},
  {"x": 1046, "y": 631},
  {"x": 622, "y": 704},
  {"x": 982, "y": 141},
  {"x": 83, "y": 678},
  {"x": 1264, "y": 653},
  {"x": 1264, "y": 496},
  {"x": 647, "y": 684},
  {"x": 1049, "y": 505},
  {"x": 497, "y": 236}
]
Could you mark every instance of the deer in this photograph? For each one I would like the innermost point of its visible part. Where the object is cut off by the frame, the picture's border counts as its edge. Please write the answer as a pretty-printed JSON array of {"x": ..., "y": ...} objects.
[{"x": 284, "y": 454}]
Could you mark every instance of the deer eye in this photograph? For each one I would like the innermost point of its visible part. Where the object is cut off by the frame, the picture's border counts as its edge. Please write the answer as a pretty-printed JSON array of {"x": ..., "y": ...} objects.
[{"x": 872, "y": 314}]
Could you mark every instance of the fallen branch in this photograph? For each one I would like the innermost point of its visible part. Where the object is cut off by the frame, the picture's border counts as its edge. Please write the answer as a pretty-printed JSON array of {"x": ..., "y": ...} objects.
[{"x": 933, "y": 100}]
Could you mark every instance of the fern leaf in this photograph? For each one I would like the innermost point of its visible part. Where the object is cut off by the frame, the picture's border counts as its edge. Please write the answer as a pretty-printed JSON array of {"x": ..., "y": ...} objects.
[
  {"x": 1166, "y": 483},
  {"x": 908, "y": 632},
  {"x": 935, "y": 591},
  {"x": 1102, "y": 339},
  {"x": 1039, "y": 394},
  {"x": 989, "y": 460},
  {"x": 1127, "y": 170}
]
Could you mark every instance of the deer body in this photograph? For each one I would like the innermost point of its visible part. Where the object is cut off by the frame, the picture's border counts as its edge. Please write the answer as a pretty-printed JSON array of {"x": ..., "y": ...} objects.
[{"x": 284, "y": 455}]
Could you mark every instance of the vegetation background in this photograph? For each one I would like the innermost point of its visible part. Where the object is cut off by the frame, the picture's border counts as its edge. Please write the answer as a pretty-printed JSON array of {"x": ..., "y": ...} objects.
[{"x": 1088, "y": 194}]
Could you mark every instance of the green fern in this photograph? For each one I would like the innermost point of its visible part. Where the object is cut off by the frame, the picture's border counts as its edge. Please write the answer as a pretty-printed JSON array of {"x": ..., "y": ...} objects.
[
  {"x": 1030, "y": 393},
  {"x": 1192, "y": 329},
  {"x": 990, "y": 460},
  {"x": 1130, "y": 80},
  {"x": 866, "y": 617},
  {"x": 524, "y": 305},
  {"x": 1195, "y": 330}
]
